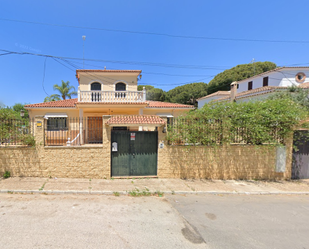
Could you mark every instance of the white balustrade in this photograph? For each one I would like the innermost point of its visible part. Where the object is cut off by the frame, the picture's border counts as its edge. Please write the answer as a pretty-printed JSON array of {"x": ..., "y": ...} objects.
[{"x": 112, "y": 96}]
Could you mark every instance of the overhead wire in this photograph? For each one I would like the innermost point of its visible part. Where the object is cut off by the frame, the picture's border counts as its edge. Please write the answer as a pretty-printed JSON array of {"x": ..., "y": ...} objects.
[{"x": 158, "y": 34}]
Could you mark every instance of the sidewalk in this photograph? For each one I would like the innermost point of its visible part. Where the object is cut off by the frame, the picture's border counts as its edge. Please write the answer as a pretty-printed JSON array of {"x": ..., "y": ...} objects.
[{"x": 168, "y": 186}]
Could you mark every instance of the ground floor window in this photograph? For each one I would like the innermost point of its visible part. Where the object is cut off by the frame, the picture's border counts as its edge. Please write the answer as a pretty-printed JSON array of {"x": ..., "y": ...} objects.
[{"x": 56, "y": 124}]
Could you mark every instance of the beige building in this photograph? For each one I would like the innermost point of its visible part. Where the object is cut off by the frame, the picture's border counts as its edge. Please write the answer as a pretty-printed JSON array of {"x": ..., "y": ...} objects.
[{"x": 112, "y": 115}]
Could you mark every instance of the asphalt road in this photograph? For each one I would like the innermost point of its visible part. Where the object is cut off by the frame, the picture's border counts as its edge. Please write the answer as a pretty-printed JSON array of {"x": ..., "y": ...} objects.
[
  {"x": 247, "y": 221},
  {"x": 210, "y": 221}
]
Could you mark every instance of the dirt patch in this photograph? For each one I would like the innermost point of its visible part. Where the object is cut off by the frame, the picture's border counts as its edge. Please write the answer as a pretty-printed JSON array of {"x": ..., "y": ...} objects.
[{"x": 211, "y": 216}]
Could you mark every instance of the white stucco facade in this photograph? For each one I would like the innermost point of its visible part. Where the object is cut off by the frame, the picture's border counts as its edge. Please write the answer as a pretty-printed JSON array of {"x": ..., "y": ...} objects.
[{"x": 278, "y": 79}]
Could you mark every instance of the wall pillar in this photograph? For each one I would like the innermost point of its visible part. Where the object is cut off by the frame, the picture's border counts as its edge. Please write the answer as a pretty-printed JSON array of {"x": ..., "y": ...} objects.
[
  {"x": 39, "y": 127},
  {"x": 81, "y": 129},
  {"x": 106, "y": 146}
]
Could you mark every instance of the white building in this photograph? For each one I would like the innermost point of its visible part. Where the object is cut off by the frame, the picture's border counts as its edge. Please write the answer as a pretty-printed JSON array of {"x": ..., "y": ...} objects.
[{"x": 261, "y": 86}]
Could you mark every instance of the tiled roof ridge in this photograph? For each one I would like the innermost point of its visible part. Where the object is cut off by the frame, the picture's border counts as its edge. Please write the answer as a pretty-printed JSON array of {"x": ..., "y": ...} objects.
[
  {"x": 135, "y": 119},
  {"x": 71, "y": 103},
  {"x": 214, "y": 94},
  {"x": 158, "y": 104},
  {"x": 108, "y": 70}
]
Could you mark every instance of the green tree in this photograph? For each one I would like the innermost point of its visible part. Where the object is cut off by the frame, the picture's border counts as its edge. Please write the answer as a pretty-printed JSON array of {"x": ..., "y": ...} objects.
[
  {"x": 222, "y": 81},
  {"x": 152, "y": 93},
  {"x": 65, "y": 90},
  {"x": 187, "y": 94},
  {"x": 52, "y": 97},
  {"x": 18, "y": 108}
]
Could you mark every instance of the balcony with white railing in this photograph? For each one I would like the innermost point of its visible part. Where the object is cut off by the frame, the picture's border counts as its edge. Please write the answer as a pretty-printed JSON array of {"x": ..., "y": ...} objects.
[{"x": 112, "y": 96}]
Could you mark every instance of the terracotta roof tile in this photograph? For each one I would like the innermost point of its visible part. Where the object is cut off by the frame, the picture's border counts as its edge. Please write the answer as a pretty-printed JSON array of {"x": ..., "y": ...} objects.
[
  {"x": 135, "y": 119},
  {"x": 159, "y": 104},
  {"x": 215, "y": 94},
  {"x": 304, "y": 85},
  {"x": 106, "y": 71},
  {"x": 60, "y": 103},
  {"x": 112, "y": 103},
  {"x": 71, "y": 103}
]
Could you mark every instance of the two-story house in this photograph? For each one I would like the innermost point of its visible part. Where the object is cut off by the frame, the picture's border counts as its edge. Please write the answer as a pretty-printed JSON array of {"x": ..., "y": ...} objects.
[
  {"x": 102, "y": 93},
  {"x": 261, "y": 86}
]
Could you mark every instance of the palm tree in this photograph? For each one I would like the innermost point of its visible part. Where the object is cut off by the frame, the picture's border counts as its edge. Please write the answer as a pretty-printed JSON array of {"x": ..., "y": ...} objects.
[
  {"x": 52, "y": 97},
  {"x": 65, "y": 89}
]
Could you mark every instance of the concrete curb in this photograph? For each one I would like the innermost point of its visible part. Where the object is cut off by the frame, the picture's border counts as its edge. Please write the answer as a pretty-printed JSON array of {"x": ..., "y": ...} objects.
[{"x": 59, "y": 192}]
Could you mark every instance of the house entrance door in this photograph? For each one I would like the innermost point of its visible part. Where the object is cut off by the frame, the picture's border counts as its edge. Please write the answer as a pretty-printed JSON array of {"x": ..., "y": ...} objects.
[
  {"x": 134, "y": 153},
  {"x": 95, "y": 130},
  {"x": 300, "y": 164}
]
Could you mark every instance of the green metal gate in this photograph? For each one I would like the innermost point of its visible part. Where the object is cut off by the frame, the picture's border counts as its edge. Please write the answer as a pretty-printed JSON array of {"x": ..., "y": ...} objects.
[{"x": 134, "y": 153}]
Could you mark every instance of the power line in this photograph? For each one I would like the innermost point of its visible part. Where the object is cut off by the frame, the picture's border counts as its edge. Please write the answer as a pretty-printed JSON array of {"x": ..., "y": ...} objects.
[
  {"x": 145, "y": 72},
  {"x": 123, "y": 62},
  {"x": 158, "y": 34},
  {"x": 44, "y": 76}
]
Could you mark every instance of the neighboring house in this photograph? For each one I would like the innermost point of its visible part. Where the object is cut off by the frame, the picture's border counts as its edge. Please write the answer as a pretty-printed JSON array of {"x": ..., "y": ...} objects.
[
  {"x": 261, "y": 86},
  {"x": 103, "y": 92}
]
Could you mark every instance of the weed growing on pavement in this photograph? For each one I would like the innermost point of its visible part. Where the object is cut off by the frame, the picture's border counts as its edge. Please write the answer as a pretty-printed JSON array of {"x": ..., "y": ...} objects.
[
  {"x": 132, "y": 182},
  {"x": 6, "y": 174},
  {"x": 136, "y": 192},
  {"x": 116, "y": 194},
  {"x": 145, "y": 192},
  {"x": 10, "y": 192},
  {"x": 173, "y": 192},
  {"x": 41, "y": 188},
  {"x": 159, "y": 193}
]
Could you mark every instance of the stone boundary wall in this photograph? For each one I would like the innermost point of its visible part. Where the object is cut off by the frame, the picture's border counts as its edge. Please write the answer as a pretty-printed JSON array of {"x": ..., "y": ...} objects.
[
  {"x": 222, "y": 162},
  {"x": 187, "y": 162}
]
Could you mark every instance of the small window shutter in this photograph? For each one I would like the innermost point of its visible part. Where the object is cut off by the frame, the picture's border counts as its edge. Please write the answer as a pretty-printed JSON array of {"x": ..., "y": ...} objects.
[{"x": 265, "y": 81}]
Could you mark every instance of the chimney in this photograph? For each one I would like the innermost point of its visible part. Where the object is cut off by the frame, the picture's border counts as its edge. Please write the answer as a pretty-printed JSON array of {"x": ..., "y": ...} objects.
[{"x": 233, "y": 91}]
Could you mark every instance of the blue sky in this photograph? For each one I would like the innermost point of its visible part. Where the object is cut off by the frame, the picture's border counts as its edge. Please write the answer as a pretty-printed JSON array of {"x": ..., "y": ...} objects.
[{"x": 177, "y": 60}]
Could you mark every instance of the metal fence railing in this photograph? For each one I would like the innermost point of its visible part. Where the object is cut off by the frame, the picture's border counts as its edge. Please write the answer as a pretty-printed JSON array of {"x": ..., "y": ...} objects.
[
  {"x": 184, "y": 131},
  {"x": 16, "y": 132},
  {"x": 67, "y": 131}
]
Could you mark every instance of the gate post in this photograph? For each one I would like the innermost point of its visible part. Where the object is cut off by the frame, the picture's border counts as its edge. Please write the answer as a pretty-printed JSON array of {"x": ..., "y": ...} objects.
[
  {"x": 106, "y": 147},
  {"x": 39, "y": 127}
]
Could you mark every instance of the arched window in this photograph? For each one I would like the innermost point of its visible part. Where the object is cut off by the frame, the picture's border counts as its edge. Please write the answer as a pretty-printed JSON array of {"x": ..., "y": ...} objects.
[
  {"x": 95, "y": 96},
  {"x": 95, "y": 86},
  {"x": 120, "y": 87}
]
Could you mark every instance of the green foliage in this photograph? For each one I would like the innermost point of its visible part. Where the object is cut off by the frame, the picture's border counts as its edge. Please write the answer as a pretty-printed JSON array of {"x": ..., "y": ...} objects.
[
  {"x": 53, "y": 97},
  {"x": 222, "y": 81},
  {"x": 7, "y": 174},
  {"x": 296, "y": 94},
  {"x": 9, "y": 113},
  {"x": 28, "y": 139},
  {"x": 13, "y": 127},
  {"x": 18, "y": 107},
  {"x": 269, "y": 121},
  {"x": 187, "y": 94},
  {"x": 65, "y": 90},
  {"x": 152, "y": 93}
]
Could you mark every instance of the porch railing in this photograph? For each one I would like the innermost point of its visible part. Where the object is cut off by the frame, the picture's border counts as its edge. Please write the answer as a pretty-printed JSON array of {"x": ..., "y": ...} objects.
[
  {"x": 73, "y": 131},
  {"x": 112, "y": 96}
]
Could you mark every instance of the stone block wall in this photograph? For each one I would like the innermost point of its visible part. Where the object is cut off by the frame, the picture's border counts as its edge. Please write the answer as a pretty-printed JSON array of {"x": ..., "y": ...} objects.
[{"x": 205, "y": 162}]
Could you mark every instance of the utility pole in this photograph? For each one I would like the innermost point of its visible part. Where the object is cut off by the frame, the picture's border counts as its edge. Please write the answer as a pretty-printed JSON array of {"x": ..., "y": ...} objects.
[{"x": 84, "y": 38}]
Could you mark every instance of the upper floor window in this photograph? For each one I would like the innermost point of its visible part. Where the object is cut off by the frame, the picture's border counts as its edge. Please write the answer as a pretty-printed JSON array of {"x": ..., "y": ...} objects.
[
  {"x": 250, "y": 85},
  {"x": 95, "y": 86},
  {"x": 120, "y": 86},
  {"x": 265, "y": 81}
]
